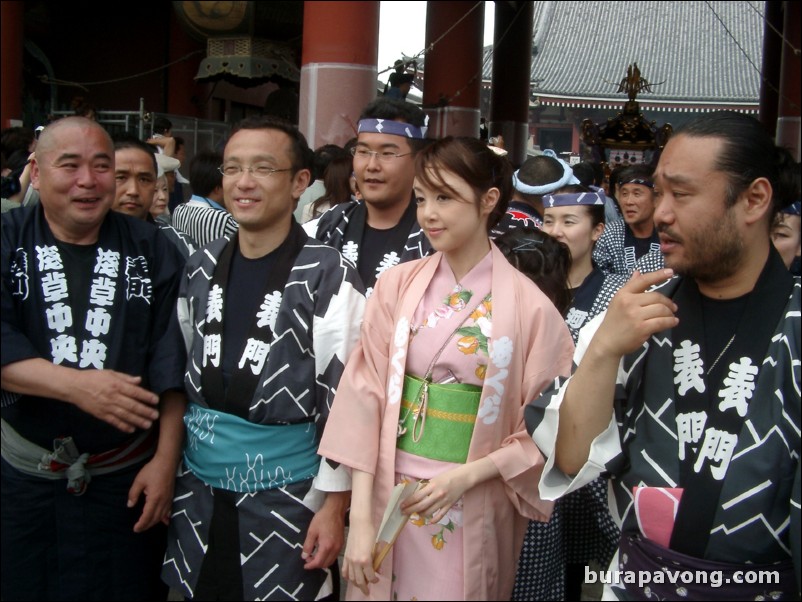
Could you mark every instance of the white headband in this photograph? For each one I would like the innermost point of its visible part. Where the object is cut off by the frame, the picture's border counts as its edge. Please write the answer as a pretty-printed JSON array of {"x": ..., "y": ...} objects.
[{"x": 567, "y": 178}]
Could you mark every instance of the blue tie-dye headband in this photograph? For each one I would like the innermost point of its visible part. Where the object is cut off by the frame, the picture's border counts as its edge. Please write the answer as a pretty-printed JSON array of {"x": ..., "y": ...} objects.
[{"x": 396, "y": 128}]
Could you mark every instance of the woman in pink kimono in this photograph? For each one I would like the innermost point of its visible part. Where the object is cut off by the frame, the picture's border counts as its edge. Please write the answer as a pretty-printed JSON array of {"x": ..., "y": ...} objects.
[{"x": 452, "y": 348}]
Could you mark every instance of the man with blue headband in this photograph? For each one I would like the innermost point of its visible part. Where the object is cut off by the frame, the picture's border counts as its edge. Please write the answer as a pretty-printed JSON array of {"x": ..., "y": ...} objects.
[
  {"x": 382, "y": 230},
  {"x": 631, "y": 243}
]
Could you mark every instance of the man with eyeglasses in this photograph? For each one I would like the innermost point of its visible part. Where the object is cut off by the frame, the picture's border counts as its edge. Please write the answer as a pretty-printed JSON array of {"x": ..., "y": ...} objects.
[
  {"x": 382, "y": 230},
  {"x": 269, "y": 318}
]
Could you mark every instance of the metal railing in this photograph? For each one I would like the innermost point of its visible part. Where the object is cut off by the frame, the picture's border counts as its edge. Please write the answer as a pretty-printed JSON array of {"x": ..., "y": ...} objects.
[{"x": 198, "y": 134}]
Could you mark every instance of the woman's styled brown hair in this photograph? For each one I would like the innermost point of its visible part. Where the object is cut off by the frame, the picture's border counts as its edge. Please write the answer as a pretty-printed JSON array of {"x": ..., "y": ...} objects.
[
  {"x": 544, "y": 259},
  {"x": 472, "y": 161}
]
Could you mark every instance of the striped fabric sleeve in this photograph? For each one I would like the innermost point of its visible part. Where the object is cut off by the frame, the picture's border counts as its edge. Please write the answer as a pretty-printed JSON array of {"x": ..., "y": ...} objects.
[{"x": 204, "y": 224}]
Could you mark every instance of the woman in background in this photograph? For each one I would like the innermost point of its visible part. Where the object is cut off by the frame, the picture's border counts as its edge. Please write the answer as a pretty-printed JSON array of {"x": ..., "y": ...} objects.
[
  {"x": 337, "y": 180},
  {"x": 581, "y": 529},
  {"x": 158, "y": 210}
]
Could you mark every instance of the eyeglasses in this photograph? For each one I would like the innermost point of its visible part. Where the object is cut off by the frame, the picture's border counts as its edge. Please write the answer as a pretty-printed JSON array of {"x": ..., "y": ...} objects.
[
  {"x": 383, "y": 156},
  {"x": 260, "y": 170}
]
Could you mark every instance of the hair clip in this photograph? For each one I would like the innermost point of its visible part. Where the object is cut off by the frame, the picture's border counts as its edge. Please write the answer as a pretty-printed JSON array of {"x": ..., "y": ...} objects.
[{"x": 528, "y": 245}]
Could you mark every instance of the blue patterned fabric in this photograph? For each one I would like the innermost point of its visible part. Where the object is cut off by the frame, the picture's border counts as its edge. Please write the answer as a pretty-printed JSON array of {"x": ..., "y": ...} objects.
[{"x": 230, "y": 453}]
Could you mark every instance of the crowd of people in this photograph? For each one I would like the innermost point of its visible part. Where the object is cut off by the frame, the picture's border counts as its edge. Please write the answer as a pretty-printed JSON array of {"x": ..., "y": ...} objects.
[{"x": 531, "y": 370}]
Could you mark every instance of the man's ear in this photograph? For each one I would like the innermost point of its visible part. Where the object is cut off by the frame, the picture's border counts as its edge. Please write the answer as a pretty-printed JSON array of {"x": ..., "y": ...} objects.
[
  {"x": 35, "y": 174},
  {"x": 757, "y": 200},
  {"x": 300, "y": 182}
]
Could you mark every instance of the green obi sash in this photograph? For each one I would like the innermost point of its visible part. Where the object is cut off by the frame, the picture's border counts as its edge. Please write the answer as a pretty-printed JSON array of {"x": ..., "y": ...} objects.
[{"x": 445, "y": 429}]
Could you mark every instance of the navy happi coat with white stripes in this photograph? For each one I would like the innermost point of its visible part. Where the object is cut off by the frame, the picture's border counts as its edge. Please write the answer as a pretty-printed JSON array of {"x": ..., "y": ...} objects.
[
  {"x": 316, "y": 325},
  {"x": 757, "y": 512}
]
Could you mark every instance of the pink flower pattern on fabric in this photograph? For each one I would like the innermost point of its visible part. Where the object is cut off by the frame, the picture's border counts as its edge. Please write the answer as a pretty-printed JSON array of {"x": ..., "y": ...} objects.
[{"x": 453, "y": 303}]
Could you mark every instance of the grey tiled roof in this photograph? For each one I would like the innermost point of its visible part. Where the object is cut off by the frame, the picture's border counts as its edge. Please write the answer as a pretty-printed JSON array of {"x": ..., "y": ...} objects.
[{"x": 585, "y": 47}]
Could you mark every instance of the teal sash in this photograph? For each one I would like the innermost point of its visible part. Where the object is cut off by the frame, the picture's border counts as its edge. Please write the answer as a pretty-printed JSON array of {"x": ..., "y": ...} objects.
[{"x": 227, "y": 452}]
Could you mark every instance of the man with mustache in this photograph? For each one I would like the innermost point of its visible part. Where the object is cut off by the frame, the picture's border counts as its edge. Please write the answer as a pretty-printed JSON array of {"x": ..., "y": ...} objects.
[{"x": 687, "y": 394}]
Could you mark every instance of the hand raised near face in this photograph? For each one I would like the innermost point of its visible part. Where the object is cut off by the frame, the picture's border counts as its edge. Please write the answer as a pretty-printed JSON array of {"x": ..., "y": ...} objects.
[{"x": 635, "y": 314}]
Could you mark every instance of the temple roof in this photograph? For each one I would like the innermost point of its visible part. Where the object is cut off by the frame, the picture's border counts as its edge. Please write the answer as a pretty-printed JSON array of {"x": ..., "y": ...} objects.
[{"x": 690, "y": 52}]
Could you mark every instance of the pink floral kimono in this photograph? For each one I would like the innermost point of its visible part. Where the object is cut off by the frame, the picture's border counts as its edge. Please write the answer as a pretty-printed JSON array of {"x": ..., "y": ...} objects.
[{"x": 494, "y": 329}]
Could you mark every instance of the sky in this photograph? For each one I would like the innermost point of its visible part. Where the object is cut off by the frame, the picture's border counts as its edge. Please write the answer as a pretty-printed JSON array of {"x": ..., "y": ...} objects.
[{"x": 402, "y": 30}]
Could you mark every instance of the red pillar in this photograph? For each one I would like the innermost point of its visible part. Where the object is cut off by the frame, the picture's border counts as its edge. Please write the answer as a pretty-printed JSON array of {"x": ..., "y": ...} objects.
[
  {"x": 338, "y": 72},
  {"x": 770, "y": 68},
  {"x": 575, "y": 141},
  {"x": 184, "y": 94},
  {"x": 11, "y": 21},
  {"x": 788, "y": 122},
  {"x": 457, "y": 82},
  {"x": 512, "y": 64}
]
